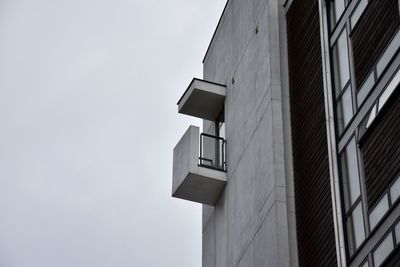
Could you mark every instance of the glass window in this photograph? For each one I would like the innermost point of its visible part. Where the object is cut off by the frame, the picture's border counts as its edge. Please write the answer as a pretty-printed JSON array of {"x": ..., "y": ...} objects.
[
  {"x": 397, "y": 230},
  {"x": 366, "y": 264},
  {"x": 388, "y": 54},
  {"x": 372, "y": 116},
  {"x": 355, "y": 229},
  {"x": 358, "y": 12},
  {"x": 395, "y": 190},
  {"x": 383, "y": 250},
  {"x": 341, "y": 62},
  {"x": 337, "y": 10},
  {"x": 365, "y": 88},
  {"x": 351, "y": 184},
  {"x": 345, "y": 110},
  {"x": 379, "y": 210},
  {"x": 389, "y": 90},
  {"x": 222, "y": 129}
]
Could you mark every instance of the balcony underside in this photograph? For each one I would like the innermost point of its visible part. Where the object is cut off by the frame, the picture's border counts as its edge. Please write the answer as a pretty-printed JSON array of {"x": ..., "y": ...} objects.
[
  {"x": 202, "y": 189},
  {"x": 203, "y": 99}
]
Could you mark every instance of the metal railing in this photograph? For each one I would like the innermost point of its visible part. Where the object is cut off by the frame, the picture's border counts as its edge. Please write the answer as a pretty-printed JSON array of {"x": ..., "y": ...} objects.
[{"x": 212, "y": 152}]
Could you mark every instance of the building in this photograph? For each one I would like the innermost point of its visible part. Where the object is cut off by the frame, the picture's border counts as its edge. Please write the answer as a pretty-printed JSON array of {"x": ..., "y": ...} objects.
[{"x": 299, "y": 162}]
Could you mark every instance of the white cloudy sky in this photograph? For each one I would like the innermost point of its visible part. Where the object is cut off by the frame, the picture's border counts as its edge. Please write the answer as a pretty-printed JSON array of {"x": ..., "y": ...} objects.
[{"x": 88, "y": 121}]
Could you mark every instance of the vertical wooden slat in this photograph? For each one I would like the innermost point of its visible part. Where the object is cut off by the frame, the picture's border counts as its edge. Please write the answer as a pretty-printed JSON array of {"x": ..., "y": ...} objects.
[{"x": 315, "y": 229}]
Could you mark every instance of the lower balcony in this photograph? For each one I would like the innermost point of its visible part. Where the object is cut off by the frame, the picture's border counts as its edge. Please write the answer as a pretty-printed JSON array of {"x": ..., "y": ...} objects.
[{"x": 199, "y": 168}]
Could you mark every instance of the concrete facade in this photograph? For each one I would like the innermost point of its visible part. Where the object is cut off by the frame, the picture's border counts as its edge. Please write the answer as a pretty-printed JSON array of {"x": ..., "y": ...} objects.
[
  {"x": 278, "y": 145},
  {"x": 253, "y": 224}
]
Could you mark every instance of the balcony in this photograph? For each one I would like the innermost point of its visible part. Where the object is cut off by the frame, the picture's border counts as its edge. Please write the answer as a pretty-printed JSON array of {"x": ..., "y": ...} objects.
[
  {"x": 203, "y": 99},
  {"x": 199, "y": 168}
]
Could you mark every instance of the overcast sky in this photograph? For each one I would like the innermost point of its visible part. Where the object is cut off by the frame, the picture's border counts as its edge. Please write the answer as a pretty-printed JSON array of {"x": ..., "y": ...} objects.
[{"x": 88, "y": 122}]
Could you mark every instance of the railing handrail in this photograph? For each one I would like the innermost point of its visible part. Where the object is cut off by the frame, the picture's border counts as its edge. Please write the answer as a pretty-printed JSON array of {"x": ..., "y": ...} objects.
[{"x": 212, "y": 136}]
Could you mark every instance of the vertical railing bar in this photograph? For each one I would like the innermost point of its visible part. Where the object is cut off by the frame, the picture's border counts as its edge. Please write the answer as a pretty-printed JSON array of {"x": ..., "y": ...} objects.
[
  {"x": 216, "y": 152},
  {"x": 201, "y": 148},
  {"x": 223, "y": 154}
]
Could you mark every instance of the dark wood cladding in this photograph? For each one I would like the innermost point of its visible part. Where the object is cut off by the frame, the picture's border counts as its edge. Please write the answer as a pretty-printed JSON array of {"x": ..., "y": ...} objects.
[
  {"x": 381, "y": 150},
  {"x": 374, "y": 30},
  {"x": 315, "y": 230}
]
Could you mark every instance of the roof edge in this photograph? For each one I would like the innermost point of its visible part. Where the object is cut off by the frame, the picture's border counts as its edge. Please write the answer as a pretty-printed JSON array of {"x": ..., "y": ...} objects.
[{"x": 216, "y": 29}]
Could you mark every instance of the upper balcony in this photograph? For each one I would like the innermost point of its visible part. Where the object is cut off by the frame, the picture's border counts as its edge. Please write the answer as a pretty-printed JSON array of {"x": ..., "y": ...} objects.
[
  {"x": 203, "y": 99},
  {"x": 199, "y": 168}
]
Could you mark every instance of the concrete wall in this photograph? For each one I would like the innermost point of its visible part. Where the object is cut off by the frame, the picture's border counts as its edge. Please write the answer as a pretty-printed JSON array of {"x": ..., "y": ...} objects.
[
  {"x": 253, "y": 224},
  {"x": 185, "y": 156}
]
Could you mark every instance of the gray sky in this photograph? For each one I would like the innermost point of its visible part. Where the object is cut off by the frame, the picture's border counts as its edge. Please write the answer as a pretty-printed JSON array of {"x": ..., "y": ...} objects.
[{"x": 88, "y": 117}]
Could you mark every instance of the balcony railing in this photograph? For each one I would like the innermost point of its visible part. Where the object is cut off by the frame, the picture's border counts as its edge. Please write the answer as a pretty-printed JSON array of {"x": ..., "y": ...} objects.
[{"x": 212, "y": 152}]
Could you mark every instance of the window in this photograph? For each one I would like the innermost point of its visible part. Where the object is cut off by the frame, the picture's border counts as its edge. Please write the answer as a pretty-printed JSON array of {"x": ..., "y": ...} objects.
[
  {"x": 352, "y": 199},
  {"x": 389, "y": 90},
  {"x": 355, "y": 229},
  {"x": 358, "y": 12},
  {"x": 388, "y": 54},
  {"x": 355, "y": 73},
  {"x": 343, "y": 90},
  {"x": 350, "y": 176},
  {"x": 221, "y": 131},
  {"x": 378, "y": 211},
  {"x": 365, "y": 264},
  {"x": 341, "y": 62},
  {"x": 365, "y": 88},
  {"x": 337, "y": 11},
  {"x": 383, "y": 249},
  {"x": 345, "y": 110},
  {"x": 372, "y": 115},
  {"x": 395, "y": 190}
]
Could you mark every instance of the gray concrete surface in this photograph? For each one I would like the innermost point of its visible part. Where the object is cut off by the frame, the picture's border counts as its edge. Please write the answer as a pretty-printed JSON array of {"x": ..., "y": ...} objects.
[
  {"x": 253, "y": 223},
  {"x": 203, "y": 100},
  {"x": 191, "y": 181}
]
